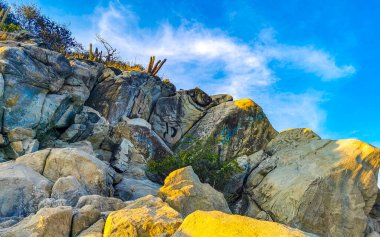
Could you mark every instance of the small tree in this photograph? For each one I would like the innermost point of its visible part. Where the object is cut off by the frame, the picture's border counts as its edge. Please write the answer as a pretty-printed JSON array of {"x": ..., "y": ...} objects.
[
  {"x": 56, "y": 36},
  {"x": 204, "y": 159}
]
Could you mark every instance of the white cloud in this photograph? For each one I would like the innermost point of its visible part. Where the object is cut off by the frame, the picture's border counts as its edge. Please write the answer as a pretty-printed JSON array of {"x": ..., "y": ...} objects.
[{"x": 218, "y": 63}]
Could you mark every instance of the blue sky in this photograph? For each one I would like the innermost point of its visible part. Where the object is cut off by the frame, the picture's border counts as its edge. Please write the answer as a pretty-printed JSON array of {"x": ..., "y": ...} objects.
[{"x": 307, "y": 63}]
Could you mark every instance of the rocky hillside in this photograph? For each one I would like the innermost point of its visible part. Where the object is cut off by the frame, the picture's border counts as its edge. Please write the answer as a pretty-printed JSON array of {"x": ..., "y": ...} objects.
[{"x": 76, "y": 138}]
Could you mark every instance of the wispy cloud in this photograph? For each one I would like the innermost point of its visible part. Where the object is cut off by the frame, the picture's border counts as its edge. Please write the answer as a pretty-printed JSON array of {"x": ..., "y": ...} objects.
[{"x": 219, "y": 63}]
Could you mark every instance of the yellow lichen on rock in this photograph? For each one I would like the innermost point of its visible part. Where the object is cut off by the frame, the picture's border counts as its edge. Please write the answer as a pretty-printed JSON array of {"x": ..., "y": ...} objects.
[
  {"x": 245, "y": 104},
  {"x": 219, "y": 224},
  {"x": 144, "y": 217}
]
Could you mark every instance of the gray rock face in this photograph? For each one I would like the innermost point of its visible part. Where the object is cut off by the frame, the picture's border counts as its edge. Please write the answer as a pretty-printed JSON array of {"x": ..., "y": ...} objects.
[
  {"x": 236, "y": 128},
  {"x": 133, "y": 95},
  {"x": 83, "y": 219},
  {"x": 174, "y": 116},
  {"x": 132, "y": 189},
  {"x": 145, "y": 141},
  {"x": 68, "y": 188},
  {"x": 321, "y": 186},
  {"x": 21, "y": 189},
  {"x": 88, "y": 125}
]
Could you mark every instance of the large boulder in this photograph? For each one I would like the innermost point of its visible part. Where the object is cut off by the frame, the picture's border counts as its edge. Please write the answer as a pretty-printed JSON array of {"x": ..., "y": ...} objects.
[
  {"x": 83, "y": 219},
  {"x": 21, "y": 190},
  {"x": 131, "y": 189},
  {"x": 96, "y": 230},
  {"x": 131, "y": 94},
  {"x": 46, "y": 222},
  {"x": 144, "y": 140},
  {"x": 219, "y": 224},
  {"x": 174, "y": 116},
  {"x": 144, "y": 217},
  {"x": 322, "y": 186},
  {"x": 68, "y": 188},
  {"x": 185, "y": 193},
  {"x": 235, "y": 128},
  {"x": 94, "y": 175}
]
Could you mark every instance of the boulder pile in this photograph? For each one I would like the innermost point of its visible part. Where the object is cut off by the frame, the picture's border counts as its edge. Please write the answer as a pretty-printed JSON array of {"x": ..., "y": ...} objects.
[{"x": 76, "y": 138}]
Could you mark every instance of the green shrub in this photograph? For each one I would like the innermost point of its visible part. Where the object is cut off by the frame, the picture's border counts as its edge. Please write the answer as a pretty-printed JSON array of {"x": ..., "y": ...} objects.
[
  {"x": 204, "y": 160},
  {"x": 55, "y": 35}
]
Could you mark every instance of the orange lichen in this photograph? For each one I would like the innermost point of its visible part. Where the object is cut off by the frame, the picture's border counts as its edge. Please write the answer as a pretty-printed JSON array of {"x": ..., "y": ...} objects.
[
  {"x": 12, "y": 101},
  {"x": 245, "y": 104}
]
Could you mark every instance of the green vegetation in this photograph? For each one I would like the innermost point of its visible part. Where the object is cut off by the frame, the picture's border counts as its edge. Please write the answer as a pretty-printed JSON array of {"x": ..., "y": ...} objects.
[
  {"x": 59, "y": 38},
  {"x": 204, "y": 160}
]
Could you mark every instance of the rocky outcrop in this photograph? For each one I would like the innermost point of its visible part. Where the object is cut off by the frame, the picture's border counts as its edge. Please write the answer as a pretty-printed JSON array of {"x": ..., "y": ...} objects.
[
  {"x": 218, "y": 224},
  {"x": 236, "y": 128},
  {"x": 145, "y": 141},
  {"x": 21, "y": 189},
  {"x": 147, "y": 216},
  {"x": 46, "y": 222},
  {"x": 185, "y": 193},
  {"x": 88, "y": 125},
  {"x": 322, "y": 186},
  {"x": 174, "y": 116},
  {"x": 132, "y": 94}
]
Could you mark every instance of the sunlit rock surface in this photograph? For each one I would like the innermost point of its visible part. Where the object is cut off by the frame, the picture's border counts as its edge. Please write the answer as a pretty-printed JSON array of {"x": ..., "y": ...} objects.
[
  {"x": 322, "y": 186},
  {"x": 185, "y": 193},
  {"x": 46, "y": 222},
  {"x": 144, "y": 217},
  {"x": 219, "y": 224}
]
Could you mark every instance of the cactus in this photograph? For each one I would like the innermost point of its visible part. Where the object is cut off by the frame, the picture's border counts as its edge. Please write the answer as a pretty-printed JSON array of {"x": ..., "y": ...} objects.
[
  {"x": 154, "y": 68},
  {"x": 90, "y": 53},
  {"x": 4, "y": 15}
]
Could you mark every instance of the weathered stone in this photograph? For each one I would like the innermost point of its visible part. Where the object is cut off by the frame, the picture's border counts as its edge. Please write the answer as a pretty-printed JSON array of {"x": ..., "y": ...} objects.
[
  {"x": 35, "y": 160},
  {"x": 288, "y": 137},
  {"x": 131, "y": 189},
  {"x": 85, "y": 146},
  {"x": 133, "y": 95},
  {"x": 93, "y": 174},
  {"x": 219, "y": 224},
  {"x": 47, "y": 222},
  {"x": 51, "y": 203},
  {"x": 184, "y": 192},
  {"x": 68, "y": 188},
  {"x": 21, "y": 189},
  {"x": 174, "y": 116},
  {"x": 89, "y": 125},
  {"x": 234, "y": 128},
  {"x": 144, "y": 217},
  {"x": 96, "y": 230},
  {"x": 19, "y": 134},
  {"x": 322, "y": 186},
  {"x": 101, "y": 203},
  {"x": 87, "y": 72},
  {"x": 219, "y": 99},
  {"x": 145, "y": 141},
  {"x": 83, "y": 219}
]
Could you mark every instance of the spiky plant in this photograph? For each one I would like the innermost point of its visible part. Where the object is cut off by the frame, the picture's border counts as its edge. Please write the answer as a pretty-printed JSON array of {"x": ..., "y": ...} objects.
[
  {"x": 154, "y": 68},
  {"x": 4, "y": 15}
]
